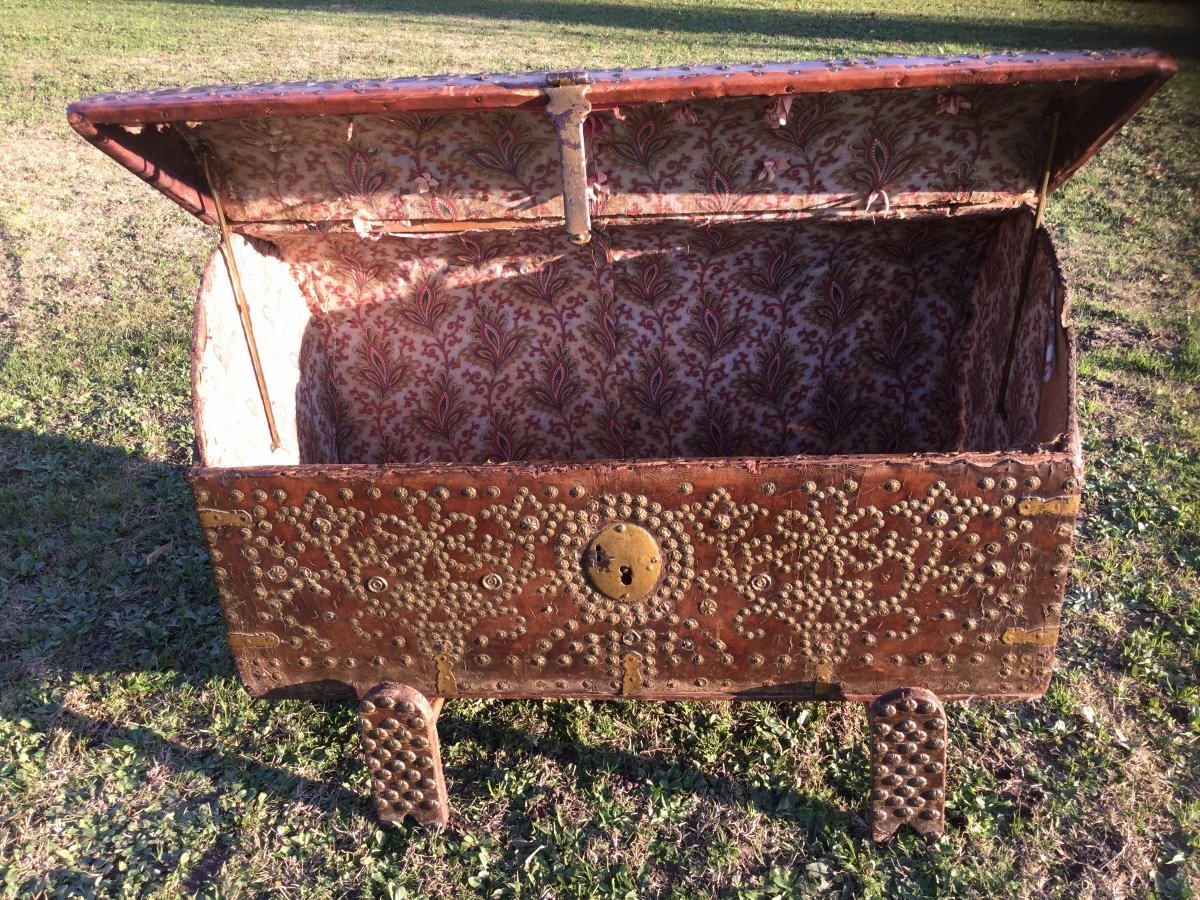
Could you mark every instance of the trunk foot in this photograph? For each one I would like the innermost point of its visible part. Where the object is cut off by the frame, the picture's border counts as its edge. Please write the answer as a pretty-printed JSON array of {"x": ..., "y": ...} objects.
[
  {"x": 908, "y": 763},
  {"x": 400, "y": 742}
]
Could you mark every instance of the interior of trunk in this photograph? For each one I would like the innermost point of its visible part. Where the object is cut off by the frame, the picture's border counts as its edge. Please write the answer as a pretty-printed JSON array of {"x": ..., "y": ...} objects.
[{"x": 668, "y": 339}]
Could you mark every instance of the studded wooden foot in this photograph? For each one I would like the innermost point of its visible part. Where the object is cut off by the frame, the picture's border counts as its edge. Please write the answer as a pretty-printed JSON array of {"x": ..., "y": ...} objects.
[
  {"x": 399, "y": 735},
  {"x": 908, "y": 762}
]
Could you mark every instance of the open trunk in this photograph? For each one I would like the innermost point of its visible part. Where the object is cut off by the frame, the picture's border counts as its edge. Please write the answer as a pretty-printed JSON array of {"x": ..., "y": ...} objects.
[{"x": 744, "y": 381}]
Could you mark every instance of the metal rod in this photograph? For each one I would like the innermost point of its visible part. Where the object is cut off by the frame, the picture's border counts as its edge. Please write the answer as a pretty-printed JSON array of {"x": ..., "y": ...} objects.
[
  {"x": 1027, "y": 273},
  {"x": 239, "y": 297}
]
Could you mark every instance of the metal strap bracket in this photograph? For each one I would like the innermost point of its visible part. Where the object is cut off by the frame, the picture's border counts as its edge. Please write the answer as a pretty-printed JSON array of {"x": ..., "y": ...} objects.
[
  {"x": 822, "y": 678},
  {"x": 221, "y": 518},
  {"x": 1038, "y": 637},
  {"x": 446, "y": 684},
  {"x": 632, "y": 675},
  {"x": 252, "y": 640},
  {"x": 568, "y": 106},
  {"x": 1067, "y": 507}
]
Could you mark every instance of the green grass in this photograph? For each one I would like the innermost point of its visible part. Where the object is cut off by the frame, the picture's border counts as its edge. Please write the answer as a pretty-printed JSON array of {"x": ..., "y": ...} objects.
[{"x": 134, "y": 765}]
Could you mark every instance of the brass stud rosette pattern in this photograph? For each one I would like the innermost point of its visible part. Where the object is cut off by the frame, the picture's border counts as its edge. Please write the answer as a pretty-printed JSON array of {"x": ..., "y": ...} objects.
[{"x": 500, "y": 587}]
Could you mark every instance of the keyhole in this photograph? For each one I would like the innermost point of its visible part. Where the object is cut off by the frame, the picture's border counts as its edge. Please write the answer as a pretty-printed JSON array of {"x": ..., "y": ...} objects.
[{"x": 626, "y": 575}]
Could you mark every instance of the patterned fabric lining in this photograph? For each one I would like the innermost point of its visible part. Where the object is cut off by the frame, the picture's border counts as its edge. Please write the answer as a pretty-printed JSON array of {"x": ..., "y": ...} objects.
[
  {"x": 756, "y": 339},
  {"x": 858, "y": 152},
  {"x": 990, "y": 328}
]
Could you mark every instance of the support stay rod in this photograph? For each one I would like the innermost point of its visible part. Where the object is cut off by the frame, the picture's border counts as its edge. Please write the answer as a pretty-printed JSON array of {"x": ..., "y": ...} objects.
[
  {"x": 1027, "y": 273},
  {"x": 239, "y": 296}
]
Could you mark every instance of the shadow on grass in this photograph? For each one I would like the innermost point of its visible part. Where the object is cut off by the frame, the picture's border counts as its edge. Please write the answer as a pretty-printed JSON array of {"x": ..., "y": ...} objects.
[
  {"x": 709, "y": 19},
  {"x": 102, "y": 572},
  {"x": 665, "y": 774},
  {"x": 645, "y": 779},
  {"x": 101, "y": 564}
]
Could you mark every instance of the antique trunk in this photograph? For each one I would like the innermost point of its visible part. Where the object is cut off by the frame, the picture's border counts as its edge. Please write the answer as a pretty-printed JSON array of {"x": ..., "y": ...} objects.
[{"x": 713, "y": 382}]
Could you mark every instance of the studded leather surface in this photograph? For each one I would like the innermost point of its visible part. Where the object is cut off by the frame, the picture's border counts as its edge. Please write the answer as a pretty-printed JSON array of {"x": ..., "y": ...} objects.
[{"x": 779, "y": 578}]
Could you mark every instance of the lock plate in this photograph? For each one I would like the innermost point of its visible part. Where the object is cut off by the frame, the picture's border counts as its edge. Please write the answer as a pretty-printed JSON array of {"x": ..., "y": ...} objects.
[{"x": 623, "y": 562}]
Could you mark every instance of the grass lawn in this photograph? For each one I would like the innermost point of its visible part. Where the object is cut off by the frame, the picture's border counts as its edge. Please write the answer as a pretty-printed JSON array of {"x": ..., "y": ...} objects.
[{"x": 132, "y": 763}]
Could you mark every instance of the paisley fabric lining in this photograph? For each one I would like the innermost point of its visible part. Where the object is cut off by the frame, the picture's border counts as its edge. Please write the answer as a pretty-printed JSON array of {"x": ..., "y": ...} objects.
[{"x": 861, "y": 153}]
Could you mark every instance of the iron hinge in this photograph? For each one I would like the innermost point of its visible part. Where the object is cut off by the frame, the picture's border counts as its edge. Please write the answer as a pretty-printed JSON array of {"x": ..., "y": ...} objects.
[{"x": 565, "y": 79}]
